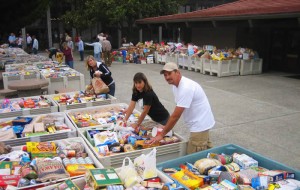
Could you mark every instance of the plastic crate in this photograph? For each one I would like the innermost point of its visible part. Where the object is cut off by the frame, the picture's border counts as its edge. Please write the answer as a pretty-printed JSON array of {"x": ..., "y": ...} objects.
[
  {"x": 174, "y": 58},
  {"x": 181, "y": 61},
  {"x": 56, "y": 83},
  {"x": 10, "y": 76},
  {"x": 75, "y": 82},
  {"x": 80, "y": 182},
  {"x": 257, "y": 66},
  {"x": 168, "y": 57},
  {"x": 155, "y": 57},
  {"x": 46, "y": 137},
  {"x": 229, "y": 149},
  {"x": 158, "y": 58},
  {"x": 164, "y": 152},
  {"x": 246, "y": 67},
  {"x": 96, "y": 109},
  {"x": 225, "y": 67},
  {"x": 63, "y": 107},
  {"x": 187, "y": 64},
  {"x": 163, "y": 59},
  {"x": 206, "y": 65},
  {"x": 198, "y": 64},
  {"x": 251, "y": 67},
  {"x": 34, "y": 111},
  {"x": 97, "y": 164}
]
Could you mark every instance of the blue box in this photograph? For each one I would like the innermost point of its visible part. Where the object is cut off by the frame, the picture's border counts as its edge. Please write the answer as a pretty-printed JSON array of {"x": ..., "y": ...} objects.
[{"x": 229, "y": 149}]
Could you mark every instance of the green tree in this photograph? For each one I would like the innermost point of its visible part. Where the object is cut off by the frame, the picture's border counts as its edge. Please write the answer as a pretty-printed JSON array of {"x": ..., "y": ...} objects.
[
  {"x": 117, "y": 12},
  {"x": 17, "y": 14}
]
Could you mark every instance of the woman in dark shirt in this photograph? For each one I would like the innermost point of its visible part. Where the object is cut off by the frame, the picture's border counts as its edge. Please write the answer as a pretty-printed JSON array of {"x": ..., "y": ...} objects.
[
  {"x": 98, "y": 69},
  {"x": 68, "y": 55},
  {"x": 143, "y": 94}
]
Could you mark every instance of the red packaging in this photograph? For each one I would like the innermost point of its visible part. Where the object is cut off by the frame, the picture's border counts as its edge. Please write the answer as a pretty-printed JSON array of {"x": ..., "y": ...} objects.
[{"x": 6, "y": 180}]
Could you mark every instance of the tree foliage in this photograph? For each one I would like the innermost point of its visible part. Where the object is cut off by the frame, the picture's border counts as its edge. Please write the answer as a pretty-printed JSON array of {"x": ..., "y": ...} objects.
[
  {"x": 87, "y": 12},
  {"x": 17, "y": 14}
]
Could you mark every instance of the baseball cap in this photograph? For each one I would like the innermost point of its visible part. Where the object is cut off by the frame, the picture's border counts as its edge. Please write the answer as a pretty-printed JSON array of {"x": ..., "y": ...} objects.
[{"x": 170, "y": 66}]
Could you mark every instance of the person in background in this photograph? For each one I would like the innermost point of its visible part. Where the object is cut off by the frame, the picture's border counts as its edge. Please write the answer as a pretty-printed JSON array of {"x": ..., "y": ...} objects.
[
  {"x": 143, "y": 94},
  {"x": 28, "y": 43},
  {"x": 97, "y": 49},
  {"x": 80, "y": 48},
  {"x": 106, "y": 47},
  {"x": 192, "y": 103},
  {"x": 52, "y": 51},
  {"x": 70, "y": 43},
  {"x": 12, "y": 40},
  {"x": 68, "y": 55},
  {"x": 100, "y": 36},
  {"x": 124, "y": 55},
  {"x": 35, "y": 45},
  {"x": 20, "y": 41},
  {"x": 98, "y": 69}
]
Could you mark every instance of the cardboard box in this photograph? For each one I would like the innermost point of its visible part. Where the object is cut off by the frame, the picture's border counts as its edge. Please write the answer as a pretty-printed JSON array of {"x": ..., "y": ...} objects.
[{"x": 99, "y": 178}]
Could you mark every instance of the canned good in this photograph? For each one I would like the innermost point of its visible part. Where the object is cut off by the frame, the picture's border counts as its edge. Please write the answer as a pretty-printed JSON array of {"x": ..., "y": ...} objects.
[
  {"x": 81, "y": 160},
  {"x": 73, "y": 161},
  {"x": 66, "y": 161},
  {"x": 88, "y": 160}
]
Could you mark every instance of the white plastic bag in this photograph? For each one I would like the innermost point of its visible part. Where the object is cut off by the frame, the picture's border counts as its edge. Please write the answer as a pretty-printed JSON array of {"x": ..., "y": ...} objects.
[
  {"x": 128, "y": 174},
  {"x": 145, "y": 165}
]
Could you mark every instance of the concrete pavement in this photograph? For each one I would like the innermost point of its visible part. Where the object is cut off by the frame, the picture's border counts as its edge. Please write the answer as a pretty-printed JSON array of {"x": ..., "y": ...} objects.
[{"x": 258, "y": 112}]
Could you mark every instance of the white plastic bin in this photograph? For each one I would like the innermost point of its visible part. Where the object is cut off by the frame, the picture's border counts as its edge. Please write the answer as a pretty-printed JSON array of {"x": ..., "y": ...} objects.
[
  {"x": 164, "y": 152},
  {"x": 225, "y": 67},
  {"x": 163, "y": 58},
  {"x": 156, "y": 56},
  {"x": 80, "y": 182},
  {"x": 29, "y": 111},
  {"x": 251, "y": 67},
  {"x": 168, "y": 57},
  {"x": 198, "y": 64},
  {"x": 56, "y": 83},
  {"x": 181, "y": 60},
  {"x": 246, "y": 67},
  {"x": 257, "y": 66},
  {"x": 187, "y": 62},
  {"x": 206, "y": 65},
  {"x": 75, "y": 82},
  {"x": 46, "y": 137},
  {"x": 62, "y": 107},
  {"x": 102, "y": 110},
  {"x": 97, "y": 164},
  {"x": 174, "y": 58},
  {"x": 20, "y": 75}
]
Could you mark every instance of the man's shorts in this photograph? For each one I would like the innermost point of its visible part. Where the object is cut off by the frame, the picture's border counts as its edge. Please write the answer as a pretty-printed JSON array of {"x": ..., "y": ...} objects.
[{"x": 198, "y": 141}]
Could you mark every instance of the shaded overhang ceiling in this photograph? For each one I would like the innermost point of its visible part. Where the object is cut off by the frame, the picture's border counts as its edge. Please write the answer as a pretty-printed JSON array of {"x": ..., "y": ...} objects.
[{"x": 239, "y": 10}]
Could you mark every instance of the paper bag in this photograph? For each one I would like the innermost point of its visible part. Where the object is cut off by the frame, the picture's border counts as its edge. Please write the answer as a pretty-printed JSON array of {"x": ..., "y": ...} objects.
[{"x": 99, "y": 86}]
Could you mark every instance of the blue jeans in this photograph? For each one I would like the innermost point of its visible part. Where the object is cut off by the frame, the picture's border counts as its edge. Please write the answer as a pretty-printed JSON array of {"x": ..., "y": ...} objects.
[
  {"x": 34, "y": 50},
  {"x": 97, "y": 56},
  {"x": 71, "y": 64},
  {"x": 124, "y": 58},
  {"x": 81, "y": 55},
  {"x": 112, "y": 89}
]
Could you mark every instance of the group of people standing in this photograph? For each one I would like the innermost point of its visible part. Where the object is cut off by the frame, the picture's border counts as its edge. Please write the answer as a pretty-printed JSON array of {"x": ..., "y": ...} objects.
[
  {"x": 31, "y": 42},
  {"x": 102, "y": 49}
]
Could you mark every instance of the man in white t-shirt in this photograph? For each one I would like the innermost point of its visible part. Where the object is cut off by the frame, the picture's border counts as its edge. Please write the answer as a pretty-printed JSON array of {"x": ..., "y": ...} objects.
[{"x": 192, "y": 103}]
